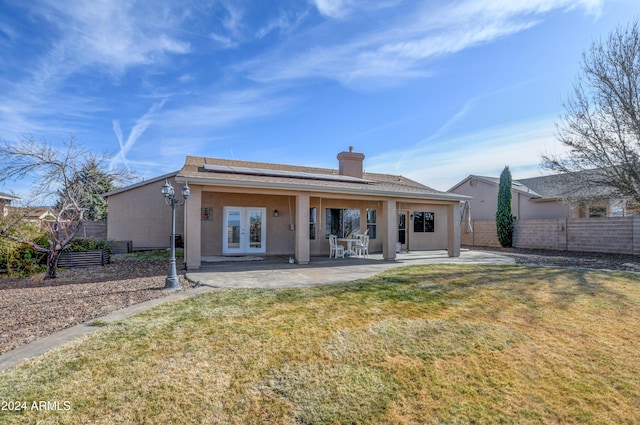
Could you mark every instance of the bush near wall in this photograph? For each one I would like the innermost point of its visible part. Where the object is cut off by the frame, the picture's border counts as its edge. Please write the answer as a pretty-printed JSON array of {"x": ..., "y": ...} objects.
[{"x": 86, "y": 244}]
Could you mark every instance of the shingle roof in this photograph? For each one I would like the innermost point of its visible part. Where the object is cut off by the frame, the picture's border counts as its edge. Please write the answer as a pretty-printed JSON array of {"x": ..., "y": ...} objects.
[
  {"x": 577, "y": 184},
  {"x": 302, "y": 178},
  {"x": 8, "y": 196},
  {"x": 555, "y": 186}
]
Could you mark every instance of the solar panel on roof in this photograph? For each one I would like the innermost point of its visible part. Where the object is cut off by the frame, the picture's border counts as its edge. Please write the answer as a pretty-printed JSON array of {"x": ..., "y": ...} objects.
[{"x": 282, "y": 173}]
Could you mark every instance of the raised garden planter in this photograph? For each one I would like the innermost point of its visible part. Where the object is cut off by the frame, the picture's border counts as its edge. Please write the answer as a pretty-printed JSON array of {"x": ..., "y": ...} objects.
[{"x": 94, "y": 257}]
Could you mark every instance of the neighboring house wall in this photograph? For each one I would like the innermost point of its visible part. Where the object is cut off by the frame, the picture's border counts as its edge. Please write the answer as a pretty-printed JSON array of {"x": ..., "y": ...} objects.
[
  {"x": 143, "y": 216},
  {"x": 485, "y": 202},
  {"x": 618, "y": 235},
  {"x": 528, "y": 205},
  {"x": 530, "y": 209},
  {"x": 485, "y": 198}
]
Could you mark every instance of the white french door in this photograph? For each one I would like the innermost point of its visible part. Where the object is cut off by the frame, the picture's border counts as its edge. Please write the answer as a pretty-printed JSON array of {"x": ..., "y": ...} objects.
[{"x": 244, "y": 230}]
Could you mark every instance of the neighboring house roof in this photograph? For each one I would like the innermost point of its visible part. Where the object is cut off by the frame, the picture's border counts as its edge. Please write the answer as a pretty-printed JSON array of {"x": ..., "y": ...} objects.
[
  {"x": 35, "y": 213},
  {"x": 577, "y": 184},
  {"x": 141, "y": 183},
  {"x": 551, "y": 187},
  {"x": 516, "y": 185},
  {"x": 225, "y": 172},
  {"x": 8, "y": 197}
]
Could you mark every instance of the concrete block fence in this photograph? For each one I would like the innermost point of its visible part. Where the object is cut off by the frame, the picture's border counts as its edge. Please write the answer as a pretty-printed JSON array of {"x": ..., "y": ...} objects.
[{"x": 617, "y": 235}]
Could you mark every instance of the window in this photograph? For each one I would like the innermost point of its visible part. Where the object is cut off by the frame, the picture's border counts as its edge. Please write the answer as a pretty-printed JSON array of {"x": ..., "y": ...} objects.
[
  {"x": 371, "y": 223},
  {"x": 597, "y": 212},
  {"x": 313, "y": 222},
  {"x": 342, "y": 222},
  {"x": 423, "y": 222}
]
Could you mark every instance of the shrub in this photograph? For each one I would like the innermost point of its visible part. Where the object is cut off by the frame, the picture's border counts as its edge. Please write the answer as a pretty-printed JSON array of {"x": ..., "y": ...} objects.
[
  {"x": 19, "y": 260},
  {"x": 86, "y": 244}
]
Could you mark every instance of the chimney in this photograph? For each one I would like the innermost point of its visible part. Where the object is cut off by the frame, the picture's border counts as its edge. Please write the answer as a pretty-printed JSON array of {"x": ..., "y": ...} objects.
[{"x": 350, "y": 163}]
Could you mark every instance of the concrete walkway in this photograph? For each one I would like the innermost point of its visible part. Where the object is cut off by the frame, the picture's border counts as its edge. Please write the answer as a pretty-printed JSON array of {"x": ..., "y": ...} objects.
[{"x": 274, "y": 272}]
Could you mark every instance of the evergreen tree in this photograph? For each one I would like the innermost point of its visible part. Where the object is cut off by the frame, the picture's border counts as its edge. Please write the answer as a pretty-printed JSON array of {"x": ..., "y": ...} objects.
[
  {"x": 504, "y": 216},
  {"x": 86, "y": 185}
]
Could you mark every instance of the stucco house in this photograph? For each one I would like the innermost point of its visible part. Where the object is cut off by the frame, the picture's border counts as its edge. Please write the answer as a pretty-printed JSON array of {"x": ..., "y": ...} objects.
[
  {"x": 253, "y": 208},
  {"x": 5, "y": 202},
  {"x": 541, "y": 197}
]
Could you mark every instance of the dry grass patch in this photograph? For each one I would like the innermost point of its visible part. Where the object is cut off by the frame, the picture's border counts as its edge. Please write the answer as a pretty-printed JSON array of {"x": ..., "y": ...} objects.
[{"x": 432, "y": 344}]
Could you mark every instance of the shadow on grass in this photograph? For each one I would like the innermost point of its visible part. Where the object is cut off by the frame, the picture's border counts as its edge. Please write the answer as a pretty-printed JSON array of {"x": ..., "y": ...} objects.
[{"x": 522, "y": 284}]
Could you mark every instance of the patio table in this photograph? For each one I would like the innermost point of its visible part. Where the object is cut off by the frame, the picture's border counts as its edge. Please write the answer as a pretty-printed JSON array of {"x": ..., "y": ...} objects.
[{"x": 349, "y": 241}]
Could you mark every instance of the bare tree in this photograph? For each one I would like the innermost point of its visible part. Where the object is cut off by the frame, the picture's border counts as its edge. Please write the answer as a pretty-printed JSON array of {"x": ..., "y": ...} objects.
[
  {"x": 601, "y": 121},
  {"x": 56, "y": 176}
]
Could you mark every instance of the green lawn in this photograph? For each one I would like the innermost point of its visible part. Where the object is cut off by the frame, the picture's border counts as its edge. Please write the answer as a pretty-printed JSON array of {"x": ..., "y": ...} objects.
[{"x": 432, "y": 344}]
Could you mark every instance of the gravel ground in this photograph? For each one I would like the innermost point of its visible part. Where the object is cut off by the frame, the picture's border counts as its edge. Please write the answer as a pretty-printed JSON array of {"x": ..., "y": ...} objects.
[
  {"x": 33, "y": 308},
  {"x": 587, "y": 260}
]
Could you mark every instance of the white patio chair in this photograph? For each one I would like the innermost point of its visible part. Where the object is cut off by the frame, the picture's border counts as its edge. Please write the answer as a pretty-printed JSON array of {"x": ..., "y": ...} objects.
[
  {"x": 362, "y": 248},
  {"x": 335, "y": 249}
]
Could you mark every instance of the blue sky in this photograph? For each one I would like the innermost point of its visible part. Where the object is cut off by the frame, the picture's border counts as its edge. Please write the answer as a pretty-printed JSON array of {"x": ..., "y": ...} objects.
[{"x": 433, "y": 90}]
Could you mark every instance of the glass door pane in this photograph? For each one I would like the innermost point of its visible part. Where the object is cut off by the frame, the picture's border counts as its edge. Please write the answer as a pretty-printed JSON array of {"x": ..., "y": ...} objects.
[
  {"x": 255, "y": 229},
  {"x": 232, "y": 231},
  {"x": 402, "y": 229},
  {"x": 256, "y": 225}
]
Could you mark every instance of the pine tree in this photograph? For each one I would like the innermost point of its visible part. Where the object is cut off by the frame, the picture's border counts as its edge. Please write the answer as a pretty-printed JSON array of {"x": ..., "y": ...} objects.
[{"x": 504, "y": 216}]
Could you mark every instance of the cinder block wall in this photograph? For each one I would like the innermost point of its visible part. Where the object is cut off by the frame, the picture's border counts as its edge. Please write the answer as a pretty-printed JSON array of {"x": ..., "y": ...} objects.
[
  {"x": 541, "y": 234},
  {"x": 618, "y": 235},
  {"x": 484, "y": 234},
  {"x": 613, "y": 235}
]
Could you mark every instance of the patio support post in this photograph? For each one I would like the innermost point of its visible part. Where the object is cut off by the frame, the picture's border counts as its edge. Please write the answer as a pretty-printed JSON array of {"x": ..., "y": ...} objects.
[
  {"x": 302, "y": 229},
  {"x": 453, "y": 229},
  {"x": 192, "y": 224},
  {"x": 390, "y": 220}
]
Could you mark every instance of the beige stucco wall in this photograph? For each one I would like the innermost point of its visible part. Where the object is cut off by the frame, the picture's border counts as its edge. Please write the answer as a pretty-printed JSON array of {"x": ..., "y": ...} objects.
[
  {"x": 142, "y": 216},
  {"x": 431, "y": 240},
  {"x": 280, "y": 237}
]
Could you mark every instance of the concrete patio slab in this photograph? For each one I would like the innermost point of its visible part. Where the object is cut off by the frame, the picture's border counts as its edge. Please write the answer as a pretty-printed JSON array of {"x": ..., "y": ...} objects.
[{"x": 276, "y": 272}]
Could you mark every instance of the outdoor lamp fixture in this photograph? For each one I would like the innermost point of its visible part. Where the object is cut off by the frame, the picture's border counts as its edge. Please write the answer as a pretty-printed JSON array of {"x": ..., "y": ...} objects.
[
  {"x": 172, "y": 282},
  {"x": 276, "y": 213}
]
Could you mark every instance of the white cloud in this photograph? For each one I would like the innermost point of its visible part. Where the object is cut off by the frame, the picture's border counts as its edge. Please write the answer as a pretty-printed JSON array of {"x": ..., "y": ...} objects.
[
  {"x": 340, "y": 9},
  {"x": 400, "y": 49},
  {"x": 137, "y": 130},
  {"x": 444, "y": 162},
  {"x": 218, "y": 109}
]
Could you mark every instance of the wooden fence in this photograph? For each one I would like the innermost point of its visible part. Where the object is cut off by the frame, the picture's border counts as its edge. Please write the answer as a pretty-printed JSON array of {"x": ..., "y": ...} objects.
[{"x": 93, "y": 229}]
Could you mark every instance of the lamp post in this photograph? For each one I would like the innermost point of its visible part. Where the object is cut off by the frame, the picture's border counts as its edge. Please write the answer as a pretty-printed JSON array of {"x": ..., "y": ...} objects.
[{"x": 172, "y": 282}]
